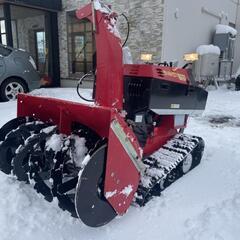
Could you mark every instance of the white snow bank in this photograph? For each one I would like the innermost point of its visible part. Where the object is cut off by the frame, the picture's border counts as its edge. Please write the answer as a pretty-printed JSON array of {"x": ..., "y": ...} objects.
[
  {"x": 206, "y": 225},
  {"x": 221, "y": 29},
  {"x": 208, "y": 49}
]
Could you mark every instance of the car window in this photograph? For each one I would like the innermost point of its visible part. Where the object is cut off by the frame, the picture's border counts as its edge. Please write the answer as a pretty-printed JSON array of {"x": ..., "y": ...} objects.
[{"x": 5, "y": 51}]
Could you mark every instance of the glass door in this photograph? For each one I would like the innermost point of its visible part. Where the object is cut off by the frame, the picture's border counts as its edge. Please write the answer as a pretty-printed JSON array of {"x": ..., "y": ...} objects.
[{"x": 41, "y": 53}]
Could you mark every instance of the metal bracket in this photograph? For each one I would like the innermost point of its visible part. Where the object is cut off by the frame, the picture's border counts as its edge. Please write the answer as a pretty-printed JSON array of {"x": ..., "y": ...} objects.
[{"x": 127, "y": 145}]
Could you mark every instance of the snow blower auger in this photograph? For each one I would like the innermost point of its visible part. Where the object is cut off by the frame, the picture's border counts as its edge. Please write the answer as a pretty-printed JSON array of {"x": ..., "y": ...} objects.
[{"x": 124, "y": 148}]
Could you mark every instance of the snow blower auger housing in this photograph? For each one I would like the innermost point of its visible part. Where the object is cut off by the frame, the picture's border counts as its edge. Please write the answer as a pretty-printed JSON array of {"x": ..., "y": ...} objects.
[{"x": 123, "y": 149}]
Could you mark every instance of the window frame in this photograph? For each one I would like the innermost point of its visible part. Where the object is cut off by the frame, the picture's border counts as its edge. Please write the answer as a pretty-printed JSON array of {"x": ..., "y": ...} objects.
[
  {"x": 87, "y": 64},
  {"x": 3, "y": 33}
]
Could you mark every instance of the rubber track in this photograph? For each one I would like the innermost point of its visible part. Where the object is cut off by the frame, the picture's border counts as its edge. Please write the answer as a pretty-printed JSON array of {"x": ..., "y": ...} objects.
[{"x": 166, "y": 164}]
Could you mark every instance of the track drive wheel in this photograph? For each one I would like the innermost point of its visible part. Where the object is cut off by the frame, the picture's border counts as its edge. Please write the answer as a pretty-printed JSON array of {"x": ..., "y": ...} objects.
[{"x": 91, "y": 205}]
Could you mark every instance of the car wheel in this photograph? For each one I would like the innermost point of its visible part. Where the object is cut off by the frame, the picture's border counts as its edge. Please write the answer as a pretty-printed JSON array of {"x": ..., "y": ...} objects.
[{"x": 11, "y": 88}]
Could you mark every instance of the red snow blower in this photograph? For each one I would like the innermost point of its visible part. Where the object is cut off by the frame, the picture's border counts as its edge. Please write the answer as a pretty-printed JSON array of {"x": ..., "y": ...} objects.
[{"x": 123, "y": 149}]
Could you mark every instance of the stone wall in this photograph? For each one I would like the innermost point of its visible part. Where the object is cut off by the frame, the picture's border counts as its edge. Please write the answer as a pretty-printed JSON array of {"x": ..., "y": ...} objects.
[{"x": 146, "y": 22}]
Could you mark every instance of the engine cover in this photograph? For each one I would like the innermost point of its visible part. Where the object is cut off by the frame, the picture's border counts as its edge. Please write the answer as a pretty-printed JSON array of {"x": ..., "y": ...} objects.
[{"x": 163, "y": 90}]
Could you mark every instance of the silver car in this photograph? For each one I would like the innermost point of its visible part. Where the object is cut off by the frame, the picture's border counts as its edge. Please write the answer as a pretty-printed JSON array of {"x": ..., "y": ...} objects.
[{"x": 18, "y": 73}]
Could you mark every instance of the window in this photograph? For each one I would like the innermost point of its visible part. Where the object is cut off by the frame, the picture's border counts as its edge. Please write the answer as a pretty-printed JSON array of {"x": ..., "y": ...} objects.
[
  {"x": 80, "y": 45},
  {"x": 3, "y": 34}
]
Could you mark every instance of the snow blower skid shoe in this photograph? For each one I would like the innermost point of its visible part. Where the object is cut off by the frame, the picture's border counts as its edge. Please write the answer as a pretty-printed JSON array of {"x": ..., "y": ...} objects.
[{"x": 124, "y": 148}]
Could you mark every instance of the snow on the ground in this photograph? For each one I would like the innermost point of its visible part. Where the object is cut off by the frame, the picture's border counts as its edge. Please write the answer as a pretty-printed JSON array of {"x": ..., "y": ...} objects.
[{"x": 204, "y": 205}]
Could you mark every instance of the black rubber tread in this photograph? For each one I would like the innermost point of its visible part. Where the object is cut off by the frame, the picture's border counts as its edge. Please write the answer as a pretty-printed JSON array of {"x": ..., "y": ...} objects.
[
  {"x": 13, "y": 140},
  {"x": 145, "y": 194},
  {"x": 177, "y": 173},
  {"x": 13, "y": 124},
  {"x": 66, "y": 203},
  {"x": 61, "y": 187},
  {"x": 60, "y": 170},
  {"x": 26, "y": 162}
]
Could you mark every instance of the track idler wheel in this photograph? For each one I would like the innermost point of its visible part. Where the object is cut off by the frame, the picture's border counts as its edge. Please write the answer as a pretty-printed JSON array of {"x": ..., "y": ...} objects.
[
  {"x": 91, "y": 205},
  {"x": 191, "y": 161}
]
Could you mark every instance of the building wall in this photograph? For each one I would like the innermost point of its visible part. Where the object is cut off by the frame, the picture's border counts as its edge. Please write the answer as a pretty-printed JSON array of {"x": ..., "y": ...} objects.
[
  {"x": 188, "y": 24},
  {"x": 146, "y": 22}
]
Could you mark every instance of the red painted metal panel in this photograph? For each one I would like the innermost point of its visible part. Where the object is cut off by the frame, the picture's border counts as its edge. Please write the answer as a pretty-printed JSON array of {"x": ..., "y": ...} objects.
[
  {"x": 177, "y": 75},
  {"x": 64, "y": 113},
  {"x": 85, "y": 12},
  {"x": 109, "y": 88},
  {"x": 122, "y": 177},
  {"x": 161, "y": 135}
]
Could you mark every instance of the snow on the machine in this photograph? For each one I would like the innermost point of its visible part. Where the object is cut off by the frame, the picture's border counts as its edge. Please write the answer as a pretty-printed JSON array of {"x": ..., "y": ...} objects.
[
  {"x": 112, "y": 26},
  {"x": 54, "y": 143},
  {"x": 101, "y": 7},
  {"x": 80, "y": 150}
]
